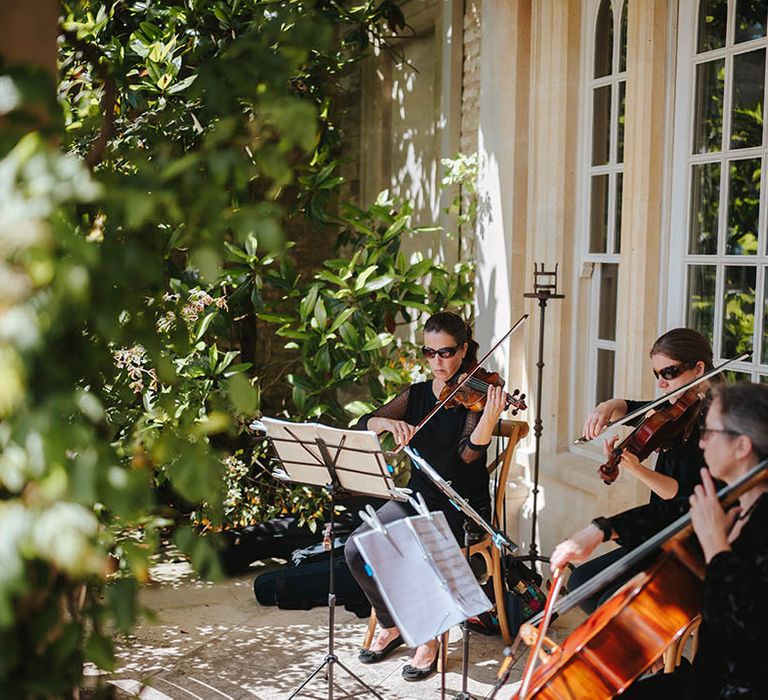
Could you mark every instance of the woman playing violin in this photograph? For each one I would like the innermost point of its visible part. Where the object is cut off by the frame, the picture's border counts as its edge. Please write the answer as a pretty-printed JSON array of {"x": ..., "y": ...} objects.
[
  {"x": 730, "y": 662},
  {"x": 677, "y": 357},
  {"x": 454, "y": 442}
]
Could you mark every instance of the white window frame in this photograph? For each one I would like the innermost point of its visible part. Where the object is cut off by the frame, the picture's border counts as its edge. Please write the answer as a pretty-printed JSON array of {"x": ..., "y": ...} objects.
[
  {"x": 587, "y": 264},
  {"x": 683, "y": 159}
]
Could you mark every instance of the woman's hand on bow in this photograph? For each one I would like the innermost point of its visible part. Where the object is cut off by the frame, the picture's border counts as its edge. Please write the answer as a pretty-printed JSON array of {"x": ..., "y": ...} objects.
[
  {"x": 576, "y": 548},
  {"x": 602, "y": 414},
  {"x": 401, "y": 431}
]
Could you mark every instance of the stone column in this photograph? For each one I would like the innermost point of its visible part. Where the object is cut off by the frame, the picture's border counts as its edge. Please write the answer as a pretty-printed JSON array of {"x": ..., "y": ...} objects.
[
  {"x": 502, "y": 180},
  {"x": 644, "y": 152},
  {"x": 551, "y": 201}
]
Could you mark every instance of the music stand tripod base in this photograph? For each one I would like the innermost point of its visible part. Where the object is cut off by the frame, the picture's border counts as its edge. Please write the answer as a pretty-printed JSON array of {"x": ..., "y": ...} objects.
[{"x": 341, "y": 461}]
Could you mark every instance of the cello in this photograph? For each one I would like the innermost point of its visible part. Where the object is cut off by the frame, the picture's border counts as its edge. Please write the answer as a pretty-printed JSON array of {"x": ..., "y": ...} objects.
[{"x": 604, "y": 655}]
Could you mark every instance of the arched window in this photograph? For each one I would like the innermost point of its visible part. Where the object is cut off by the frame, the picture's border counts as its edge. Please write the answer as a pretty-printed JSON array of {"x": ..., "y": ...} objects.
[
  {"x": 604, "y": 174},
  {"x": 725, "y": 246}
]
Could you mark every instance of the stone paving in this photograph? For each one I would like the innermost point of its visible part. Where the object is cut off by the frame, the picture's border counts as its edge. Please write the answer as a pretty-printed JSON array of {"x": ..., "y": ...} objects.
[{"x": 213, "y": 640}]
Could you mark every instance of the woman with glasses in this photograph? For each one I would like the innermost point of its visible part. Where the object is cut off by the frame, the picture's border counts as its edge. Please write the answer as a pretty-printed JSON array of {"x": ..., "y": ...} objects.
[
  {"x": 454, "y": 442},
  {"x": 677, "y": 357},
  {"x": 730, "y": 661}
]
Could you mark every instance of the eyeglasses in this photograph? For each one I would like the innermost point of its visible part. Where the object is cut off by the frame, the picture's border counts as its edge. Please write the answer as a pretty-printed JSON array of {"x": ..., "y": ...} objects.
[
  {"x": 445, "y": 353},
  {"x": 673, "y": 371},
  {"x": 706, "y": 432}
]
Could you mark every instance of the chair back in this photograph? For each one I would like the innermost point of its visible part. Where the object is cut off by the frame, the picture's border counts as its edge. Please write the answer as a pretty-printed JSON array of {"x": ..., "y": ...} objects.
[{"x": 513, "y": 431}]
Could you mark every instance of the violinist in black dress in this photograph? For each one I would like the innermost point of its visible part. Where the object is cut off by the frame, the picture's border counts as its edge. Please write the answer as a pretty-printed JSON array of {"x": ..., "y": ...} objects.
[
  {"x": 730, "y": 662},
  {"x": 677, "y": 357},
  {"x": 454, "y": 442}
]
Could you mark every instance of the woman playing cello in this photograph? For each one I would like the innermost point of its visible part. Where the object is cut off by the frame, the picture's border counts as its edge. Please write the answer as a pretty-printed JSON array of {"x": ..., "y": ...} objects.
[
  {"x": 677, "y": 357},
  {"x": 730, "y": 660},
  {"x": 454, "y": 442}
]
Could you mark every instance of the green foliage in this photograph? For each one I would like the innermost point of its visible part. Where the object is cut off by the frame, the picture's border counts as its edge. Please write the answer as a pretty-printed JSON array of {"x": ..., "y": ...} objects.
[
  {"x": 141, "y": 268},
  {"x": 343, "y": 323},
  {"x": 123, "y": 387}
]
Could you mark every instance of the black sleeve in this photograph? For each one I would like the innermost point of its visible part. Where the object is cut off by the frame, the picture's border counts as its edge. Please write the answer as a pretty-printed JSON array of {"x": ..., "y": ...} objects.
[
  {"x": 637, "y": 525},
  {"x": 468, "y": 451},
  {"x": 395, "y": 409},
  {"x": 735, "y": 602}
]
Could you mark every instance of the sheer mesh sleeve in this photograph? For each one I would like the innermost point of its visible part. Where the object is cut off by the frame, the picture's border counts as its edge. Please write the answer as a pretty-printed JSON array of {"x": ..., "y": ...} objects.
[
  {"x": 468, "y": 451},
  {"x": 394, "y": 409}
]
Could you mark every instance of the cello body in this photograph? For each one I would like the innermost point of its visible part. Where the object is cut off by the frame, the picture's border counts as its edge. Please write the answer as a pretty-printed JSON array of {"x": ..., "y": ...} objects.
[{"x": 623, "y": 638}]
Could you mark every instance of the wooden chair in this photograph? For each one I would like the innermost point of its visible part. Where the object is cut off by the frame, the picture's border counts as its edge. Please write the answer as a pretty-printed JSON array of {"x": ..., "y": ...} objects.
[
  {"x": 674, "y": 652},
  {"x": 513, "y": 431}
]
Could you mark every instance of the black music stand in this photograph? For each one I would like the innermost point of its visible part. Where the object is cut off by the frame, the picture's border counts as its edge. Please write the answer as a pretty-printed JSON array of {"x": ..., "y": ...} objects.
[
  {"x": 340, "y": 461},
  {"x": 544, "y": 289}
]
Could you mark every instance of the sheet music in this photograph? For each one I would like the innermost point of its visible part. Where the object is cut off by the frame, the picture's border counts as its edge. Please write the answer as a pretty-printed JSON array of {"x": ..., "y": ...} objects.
[
  {"x": 422, "y": 576},
  {"x": 356, "y": 456}
]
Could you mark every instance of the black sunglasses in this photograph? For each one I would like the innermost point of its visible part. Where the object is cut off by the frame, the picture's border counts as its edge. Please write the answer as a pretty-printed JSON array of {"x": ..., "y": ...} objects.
[
  {"x": 673, "y": 371},
  {"x": 445, "y": 353}
]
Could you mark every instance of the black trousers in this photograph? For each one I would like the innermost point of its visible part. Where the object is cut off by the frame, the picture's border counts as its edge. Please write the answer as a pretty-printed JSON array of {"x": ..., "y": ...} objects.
[{"x": 389, "y": 513}]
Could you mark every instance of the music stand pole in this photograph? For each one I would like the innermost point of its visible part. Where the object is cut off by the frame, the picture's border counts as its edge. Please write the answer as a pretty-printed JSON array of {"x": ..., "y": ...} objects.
[
  {"x": 465, "y": 631},
  {"x": 331, "y": 659},
  {"x": 544, "y": 289}
]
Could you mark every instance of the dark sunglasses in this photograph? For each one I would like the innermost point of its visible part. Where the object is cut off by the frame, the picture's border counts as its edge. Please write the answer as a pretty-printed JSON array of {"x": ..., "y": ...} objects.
[
  {"x": 673, "y": 371},
  {"x": 445, "y": 353}
]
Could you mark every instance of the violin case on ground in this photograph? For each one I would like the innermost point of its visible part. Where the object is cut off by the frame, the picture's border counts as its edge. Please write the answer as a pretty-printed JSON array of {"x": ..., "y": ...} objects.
[{"x": 304, "y": 583}]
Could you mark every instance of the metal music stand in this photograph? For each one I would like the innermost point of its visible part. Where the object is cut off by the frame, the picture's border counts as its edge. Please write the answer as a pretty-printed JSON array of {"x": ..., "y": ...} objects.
[
  {"x": 417, "y": 554},
  {"x": 544, "y": 289},
  {"x": 340, "y": 461},
  {"x": 498, "y": 537}
]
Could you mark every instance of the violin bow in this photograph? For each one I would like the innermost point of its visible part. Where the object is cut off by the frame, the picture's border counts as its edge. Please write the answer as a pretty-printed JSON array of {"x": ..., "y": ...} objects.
[
  {"x": 429, "y": 415},
  {"x": 647, "y": 407}
]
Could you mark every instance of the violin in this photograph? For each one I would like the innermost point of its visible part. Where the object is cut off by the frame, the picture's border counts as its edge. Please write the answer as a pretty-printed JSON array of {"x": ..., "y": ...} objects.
[
  {"x": 472, "y": 394},
  {"x": 656, "y": 431}
]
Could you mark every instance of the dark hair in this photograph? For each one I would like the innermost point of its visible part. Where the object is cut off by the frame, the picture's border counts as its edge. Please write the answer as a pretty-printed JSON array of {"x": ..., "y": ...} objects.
[
  {"x": 684, "y": 345},
  {"x": 744, "y": 410},
  {"x": 455, "y": 326}
]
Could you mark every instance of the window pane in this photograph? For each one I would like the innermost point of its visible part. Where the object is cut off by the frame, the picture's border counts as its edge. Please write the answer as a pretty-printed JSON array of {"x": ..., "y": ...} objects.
[
  {"x": 617, "y": 232},
  {"x": 764, "y": 344},
  {"x": 701, "y": 299},
  {"x": 743, "y": 206},
  {"x": 604, "y": 389},
  {"x": 738, "y": 309},
  {"x": 604, "y": 40},
  {"x": 601, "y": 126},
  {"x": 732, "y": 376},
  {"x": 620, "y": 125},
  {"x": 713, "y": 15},
  {"x": 623, "y": 40},
  {"x": 598, "y": 224},
  {"x": 708, "y": 117},
  {"x": 747, "y": 109},
  {"x": 705, "y": 208},
  {"x": 609, "y": 282},
  {"x": 750, "y": 19}
]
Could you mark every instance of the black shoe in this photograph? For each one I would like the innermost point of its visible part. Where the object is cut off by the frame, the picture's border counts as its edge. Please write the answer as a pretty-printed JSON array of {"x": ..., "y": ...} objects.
[
  {"x": 366, "y": 656},
  {"x": 411, "y": 673}
]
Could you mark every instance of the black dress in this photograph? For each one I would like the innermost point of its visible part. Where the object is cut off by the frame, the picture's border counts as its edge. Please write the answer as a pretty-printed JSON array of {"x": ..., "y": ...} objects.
[
  {"x": 444, "y": 443},
  {"x": 682, "y": 460},
  {"x": 730, "y": 662}
]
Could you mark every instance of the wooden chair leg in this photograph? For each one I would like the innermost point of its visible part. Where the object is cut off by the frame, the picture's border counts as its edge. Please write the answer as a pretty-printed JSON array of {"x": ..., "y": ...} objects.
[
  {"x": 442, "y": 652},
  {"x": 371, "y": 629},
  {"x": 499, "y": 594}
]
